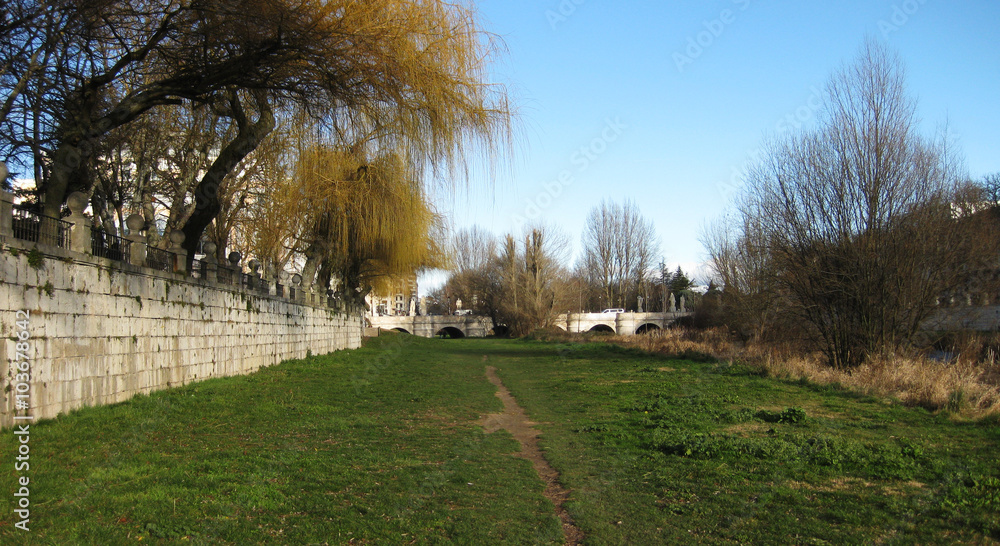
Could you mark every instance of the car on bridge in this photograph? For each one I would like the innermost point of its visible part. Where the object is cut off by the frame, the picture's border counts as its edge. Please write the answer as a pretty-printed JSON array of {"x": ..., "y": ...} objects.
[{"x": 615, "y": 310}]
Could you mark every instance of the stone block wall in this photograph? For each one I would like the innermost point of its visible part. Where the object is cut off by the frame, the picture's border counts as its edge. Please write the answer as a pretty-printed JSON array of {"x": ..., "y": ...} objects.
[{"x": 102, "y": 331}]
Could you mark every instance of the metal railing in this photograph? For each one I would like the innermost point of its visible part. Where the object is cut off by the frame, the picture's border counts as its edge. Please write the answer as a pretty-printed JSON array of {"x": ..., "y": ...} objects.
[
  {"x": 29, "y": 226},
  {"x": 112, "y": 247},
  {"x": 225, "y": 275},
  {"x": 159, "y": 259}
]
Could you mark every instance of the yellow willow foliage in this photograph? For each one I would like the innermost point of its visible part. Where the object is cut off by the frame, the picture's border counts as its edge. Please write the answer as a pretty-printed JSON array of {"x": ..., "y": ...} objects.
[
  {"x": 274, "y": 224},
  {"x": 372, "y": 218},
  {"x": 411, "y": 77}
]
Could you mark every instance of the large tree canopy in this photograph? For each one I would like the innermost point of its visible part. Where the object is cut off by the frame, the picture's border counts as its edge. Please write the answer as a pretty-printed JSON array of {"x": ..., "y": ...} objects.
[{"x": 407, "y": 75}]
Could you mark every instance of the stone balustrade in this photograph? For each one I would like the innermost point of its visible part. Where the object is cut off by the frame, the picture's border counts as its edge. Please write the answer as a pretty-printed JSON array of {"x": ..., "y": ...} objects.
[{"x": 77, "y": 235}]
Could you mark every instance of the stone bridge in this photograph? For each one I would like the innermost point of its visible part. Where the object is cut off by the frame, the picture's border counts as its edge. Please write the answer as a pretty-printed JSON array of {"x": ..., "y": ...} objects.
[
  {"x": 618, "y": 323},
  {"x": 435, "y": 325},
  {"x": 477, "y": 326}
]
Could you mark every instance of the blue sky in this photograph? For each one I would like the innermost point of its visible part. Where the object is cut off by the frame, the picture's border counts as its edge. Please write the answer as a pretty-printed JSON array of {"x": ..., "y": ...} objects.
[{"x": 666, "y": 102}]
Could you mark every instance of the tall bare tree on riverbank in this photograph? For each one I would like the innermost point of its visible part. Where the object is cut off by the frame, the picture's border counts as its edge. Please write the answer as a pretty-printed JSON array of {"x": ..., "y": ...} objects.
[{"x": 857, "y": 226}]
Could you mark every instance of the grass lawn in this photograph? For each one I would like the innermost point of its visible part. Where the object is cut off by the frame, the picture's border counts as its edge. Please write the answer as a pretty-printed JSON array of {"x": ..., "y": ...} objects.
[{"x": 382, "y": 445}]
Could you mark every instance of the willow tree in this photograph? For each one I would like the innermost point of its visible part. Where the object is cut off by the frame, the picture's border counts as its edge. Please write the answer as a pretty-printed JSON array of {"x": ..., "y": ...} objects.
[
  {"x": 367, "y": 221},
  {"x": 418, "y": 65}
]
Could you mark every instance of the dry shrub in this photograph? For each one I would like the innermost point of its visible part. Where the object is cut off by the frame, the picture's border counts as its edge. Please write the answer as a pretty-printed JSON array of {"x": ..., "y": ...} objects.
[
  {"x": 968, "y": 384},
  {"x": 712, "y": 342},
  {"x": 962, "y": 385}
]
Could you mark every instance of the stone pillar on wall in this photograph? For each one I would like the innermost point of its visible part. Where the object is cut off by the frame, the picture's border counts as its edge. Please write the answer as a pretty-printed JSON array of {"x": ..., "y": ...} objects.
[
  {"x": 6, "y": 211},
  {"x": 79, "y": 236},
  {"x": 211, "y": 262},
  {"x": 137, "y": 250},
  {"x": 234, "y": 266},
  {"x": 254, "y": 266},
  {"x": 297, "y": 284},
  {"x": 283, "y": 279},
  {"x": 180, "y": 260},
  {"x": 269, "y": 278}
]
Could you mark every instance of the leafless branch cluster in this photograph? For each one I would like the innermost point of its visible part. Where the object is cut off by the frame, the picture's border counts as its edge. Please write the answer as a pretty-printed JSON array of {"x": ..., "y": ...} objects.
[{"x": 853, "y": 230}]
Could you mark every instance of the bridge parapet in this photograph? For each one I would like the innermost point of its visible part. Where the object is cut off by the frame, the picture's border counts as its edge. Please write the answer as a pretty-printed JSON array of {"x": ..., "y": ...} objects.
[
  {"x": 478, "y": 326},
  {"x": 431, "y": 325},
  {"x": 619, "y": 323}
]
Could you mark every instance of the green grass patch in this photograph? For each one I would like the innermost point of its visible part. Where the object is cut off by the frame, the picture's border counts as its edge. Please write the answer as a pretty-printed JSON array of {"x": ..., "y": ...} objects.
[
  {"x": 677, "y": 451},
  {"x": 382, "y": 445},
  {"x": 379, "y": 445}
]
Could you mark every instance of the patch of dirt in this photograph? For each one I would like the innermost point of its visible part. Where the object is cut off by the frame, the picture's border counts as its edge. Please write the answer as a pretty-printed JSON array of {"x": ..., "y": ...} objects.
[
  {"x": 748, "y": 429},
  {"x": 847, "y": 484},
  {"x": 513, "y": 419}
]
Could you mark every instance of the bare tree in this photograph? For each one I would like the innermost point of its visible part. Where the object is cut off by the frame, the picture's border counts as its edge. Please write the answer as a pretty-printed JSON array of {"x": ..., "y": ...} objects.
[
  {"x": 865, "y": 222},
  {"x": 742, "y": 263},
  {"x": 991, "y": 189},
  {"x": 472, "y": 249},
  {"x": 521, "y": 284},
  {"x": 619, "y": 246}
]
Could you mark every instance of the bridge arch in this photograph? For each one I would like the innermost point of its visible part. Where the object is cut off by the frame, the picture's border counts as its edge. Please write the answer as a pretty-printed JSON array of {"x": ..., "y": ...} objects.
[
  {"x": 402, "y": 330},
  {"x": 450, "y": 332},
  {"x": 602, "y": 329},
  {"x": 647, "y": 328}
]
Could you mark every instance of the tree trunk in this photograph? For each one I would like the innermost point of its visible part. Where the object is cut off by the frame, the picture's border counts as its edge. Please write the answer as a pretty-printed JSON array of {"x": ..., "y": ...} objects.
[{"x": 207, "y": 204}]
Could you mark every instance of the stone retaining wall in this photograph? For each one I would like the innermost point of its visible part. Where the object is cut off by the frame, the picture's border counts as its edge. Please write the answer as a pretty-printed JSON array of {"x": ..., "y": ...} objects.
[{"x": 102, "y": 331}]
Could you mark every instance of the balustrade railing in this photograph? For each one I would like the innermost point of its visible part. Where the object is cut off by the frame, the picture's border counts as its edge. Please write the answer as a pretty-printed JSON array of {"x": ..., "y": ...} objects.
[
  {"x": 112, "y": 247},
  {"x": 159, "y": 259},
  {"x": 198, "y": 269},
  {"x": 80, "y": 236},
  {"x": 29, "y": 226},
  {"x": 226, "y": 275}
]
